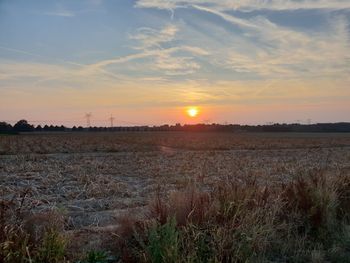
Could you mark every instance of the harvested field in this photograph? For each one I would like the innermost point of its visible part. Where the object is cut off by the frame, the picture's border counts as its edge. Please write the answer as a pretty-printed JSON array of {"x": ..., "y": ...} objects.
[{"x": 96, "y": 179}]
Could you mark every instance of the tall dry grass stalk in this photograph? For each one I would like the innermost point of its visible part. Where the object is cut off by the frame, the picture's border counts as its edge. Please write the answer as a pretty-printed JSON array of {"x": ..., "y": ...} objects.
[
  {"x": 305, "y": 220},
  {"x": 26, "y": 237}
]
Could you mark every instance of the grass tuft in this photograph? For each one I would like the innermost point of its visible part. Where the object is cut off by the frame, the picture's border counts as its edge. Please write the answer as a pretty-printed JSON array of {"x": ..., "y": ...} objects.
[
  {"x": 29, "y": 238},
  {"x": 305, "y": 220}
]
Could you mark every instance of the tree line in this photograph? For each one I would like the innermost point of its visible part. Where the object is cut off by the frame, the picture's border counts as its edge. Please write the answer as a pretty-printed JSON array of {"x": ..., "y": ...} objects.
[{"x": 24, "y": 126}]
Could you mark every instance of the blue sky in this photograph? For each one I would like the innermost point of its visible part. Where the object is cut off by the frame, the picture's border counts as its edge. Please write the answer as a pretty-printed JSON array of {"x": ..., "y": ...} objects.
[{"x": 145, "y": 61}]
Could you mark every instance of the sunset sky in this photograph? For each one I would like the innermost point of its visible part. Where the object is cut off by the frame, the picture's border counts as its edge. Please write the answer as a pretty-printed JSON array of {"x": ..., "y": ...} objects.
[{"x": 147, "y": 61}]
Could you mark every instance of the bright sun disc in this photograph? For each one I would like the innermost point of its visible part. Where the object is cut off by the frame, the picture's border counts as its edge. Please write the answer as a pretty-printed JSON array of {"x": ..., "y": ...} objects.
[{"x": 192, "y": 112}]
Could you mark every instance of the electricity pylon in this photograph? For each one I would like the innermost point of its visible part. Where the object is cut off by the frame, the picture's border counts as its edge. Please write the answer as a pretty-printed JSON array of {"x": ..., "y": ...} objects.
[
  {"x": 111, "y": 119},
  {"x": 88, "y": 117}
]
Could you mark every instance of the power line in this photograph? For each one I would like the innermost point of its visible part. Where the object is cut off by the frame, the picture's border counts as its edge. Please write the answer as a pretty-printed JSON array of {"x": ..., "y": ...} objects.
[{"x": 87, "y": 117}]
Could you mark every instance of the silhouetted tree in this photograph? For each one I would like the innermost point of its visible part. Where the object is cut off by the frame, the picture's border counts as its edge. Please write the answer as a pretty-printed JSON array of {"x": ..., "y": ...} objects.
[
  {"x": 23, "y": 126},
  {"x": 5, "y": 127}
]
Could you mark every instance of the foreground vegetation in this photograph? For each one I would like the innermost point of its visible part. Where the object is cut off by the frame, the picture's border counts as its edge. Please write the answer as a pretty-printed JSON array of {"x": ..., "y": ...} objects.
[
  {"x": 174, "y": 197},
  {"x": 304, "y": 220}
]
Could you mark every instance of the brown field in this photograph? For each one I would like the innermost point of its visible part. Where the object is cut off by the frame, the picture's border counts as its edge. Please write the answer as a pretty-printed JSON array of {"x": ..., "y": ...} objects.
[{"x": 96, "y": 180}]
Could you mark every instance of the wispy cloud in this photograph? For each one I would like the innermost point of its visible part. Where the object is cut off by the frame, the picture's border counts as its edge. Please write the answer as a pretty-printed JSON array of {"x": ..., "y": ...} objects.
[
  {"x": 150, "y": 38},
  {"x": 19, "y": 51},
  {"x": 278, "y": 51},
  {"x": 247, "y": 5},
  {"x": 229, "y": 18},
  {"x": 267, "y": 49},
  {"x": 163, "y": 56},
  {"x": 65, "y": 13},
  {"x": 59, "y": 10},
  {"x": 73, "y": 68},
  {"x": 167, "y": 59}
]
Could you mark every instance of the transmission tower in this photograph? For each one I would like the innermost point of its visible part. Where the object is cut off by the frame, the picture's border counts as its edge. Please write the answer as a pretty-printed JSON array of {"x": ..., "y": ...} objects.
[
  {"x": 111, "y": 119},
  {"x": 88, "y": 117}
]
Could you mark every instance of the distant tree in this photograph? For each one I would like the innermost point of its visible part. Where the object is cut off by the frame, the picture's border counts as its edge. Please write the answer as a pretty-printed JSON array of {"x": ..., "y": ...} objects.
[
  {"x": 38, "y": 128},
  {"x": 23, "y": 126},
  {"x": 5, "y": 127},
  {"x": 46, "y": 128}
]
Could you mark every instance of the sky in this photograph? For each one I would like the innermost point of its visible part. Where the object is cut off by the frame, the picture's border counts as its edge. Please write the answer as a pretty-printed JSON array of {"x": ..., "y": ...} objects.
[{"x": 147, "y": 61}]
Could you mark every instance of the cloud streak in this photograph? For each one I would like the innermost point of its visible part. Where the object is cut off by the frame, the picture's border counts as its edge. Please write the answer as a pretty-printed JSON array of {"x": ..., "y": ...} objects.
[
  {"x": 283, "y": 52},
  {"x": 247, "y": 5},
  {"x": 170, "y": 60},
  {"x": 149, "y": 37},
  {"x": 274, "y": 51},
  {"x": 60, "y": 13}
]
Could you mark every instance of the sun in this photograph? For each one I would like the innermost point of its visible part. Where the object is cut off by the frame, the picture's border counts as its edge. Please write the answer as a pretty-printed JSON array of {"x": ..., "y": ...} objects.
[{"x": 192, "y": 111}]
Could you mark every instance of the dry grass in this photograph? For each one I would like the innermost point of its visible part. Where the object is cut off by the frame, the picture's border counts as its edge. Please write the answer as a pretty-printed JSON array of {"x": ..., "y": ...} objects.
[
  {"x": 222, "y": 197},
  {"x": 152, "y": 141},
  {"x": 27, "y": 237},
  {"x": 301, "y": 221}
]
